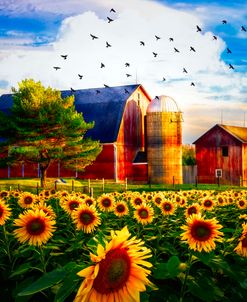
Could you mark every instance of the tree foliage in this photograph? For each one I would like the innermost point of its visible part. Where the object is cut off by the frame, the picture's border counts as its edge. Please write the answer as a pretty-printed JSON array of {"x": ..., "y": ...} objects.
[
  {"x": 42, "y": 127},
  {"x": 189, "y": 156}
]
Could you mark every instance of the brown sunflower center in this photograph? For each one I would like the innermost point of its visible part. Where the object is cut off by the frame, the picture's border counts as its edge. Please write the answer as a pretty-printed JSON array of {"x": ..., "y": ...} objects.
[
  {"x": 138, "y": 201},
  {"x": 241, "y": 203},
  {"x": 201, "y": 231},
  {"x": 167, "y": 206},
  {"x": 143, "y": 213},
  {"x": 89, "y": 202},
  {"x": 106, "y": 202},
  {"x": 244, "y": 242},
  {"x": 86, "y": 217},
  {"x": 120, "y": 208},
  {"x": 220, "y": 200},
  {"x": 192, "y": 210},
  {"x": 73, "y": 205},
  {"x": 158, "y": 200},
  {"x": 1, "y": 211},
  {"x": 208, "y": 203},
  {"x": 28, "y": 200},
  {"x": 4, "y": 194},
  {"x": 114, "y": 271},
  {"x": 36, "y": 226}
]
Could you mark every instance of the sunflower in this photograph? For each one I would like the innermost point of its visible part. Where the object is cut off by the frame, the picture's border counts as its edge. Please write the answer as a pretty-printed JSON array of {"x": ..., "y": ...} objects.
[
  {"x": 4, "y": 194},
  {"x": 35, "y": 227},
  {"x": 69, "y": 204},
  {"x": 106, "y": 203},
  {"x": 5, "y": 212},
  {"x": 194, "y": 208},
  {"x": 27, "y": 200},
  {"x": 157, "y": 199},
  {"x": 221, "y": 201},
  {"x": 144, "y": 214},
  {"x": 208, "y": 203},
  {"x": 167, "y": 207},
  {"x": 121, "y": 209},
  {"x": 136, "y": 200},
  {"x": 47, "y": 209},
  {"x": 241, "y": 203},
  {"x": 119, "y": 272},
  {"x": 86, "y": 218},
  {"x": 89, "y": 201},
  {"x": 241, "y": 248},
  {"x": 201, "y": 233}
]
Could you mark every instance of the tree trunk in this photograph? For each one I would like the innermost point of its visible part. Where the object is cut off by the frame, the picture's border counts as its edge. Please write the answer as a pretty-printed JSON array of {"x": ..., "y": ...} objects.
[{"x": 43, "y": 170}]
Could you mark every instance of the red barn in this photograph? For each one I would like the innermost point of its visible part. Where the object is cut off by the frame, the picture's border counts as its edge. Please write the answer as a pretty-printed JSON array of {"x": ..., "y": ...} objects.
[
  {"x": 118, "y": 113},
  {"x": 223, "y": 150}
]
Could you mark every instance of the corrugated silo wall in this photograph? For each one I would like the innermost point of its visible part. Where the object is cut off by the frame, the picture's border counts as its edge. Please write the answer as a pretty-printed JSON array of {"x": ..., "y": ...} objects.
[{"x": 164, "y": 147}]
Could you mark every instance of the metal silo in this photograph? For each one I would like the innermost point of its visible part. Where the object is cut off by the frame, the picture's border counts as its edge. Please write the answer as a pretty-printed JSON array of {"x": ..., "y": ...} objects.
[{"x": 164, "y": 141}]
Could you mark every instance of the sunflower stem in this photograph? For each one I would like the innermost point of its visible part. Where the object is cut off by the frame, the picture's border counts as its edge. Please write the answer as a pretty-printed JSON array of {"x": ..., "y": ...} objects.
[
  {"x": 185, "y": 278},
  {"x": 42, "y": 259},
  {"x": 7, "y": 242}
]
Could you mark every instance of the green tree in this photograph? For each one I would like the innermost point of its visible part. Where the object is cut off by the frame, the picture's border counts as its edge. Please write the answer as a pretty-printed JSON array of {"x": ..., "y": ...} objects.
[
  {"x": 189, "y": 156},
  {"x": 44, "y": 128}
]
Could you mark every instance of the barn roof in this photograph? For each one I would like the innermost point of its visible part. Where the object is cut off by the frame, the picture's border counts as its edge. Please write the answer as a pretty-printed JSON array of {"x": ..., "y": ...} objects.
[
  {"x": 240, "y": 133},
  {"x": 104, "y": 106}
]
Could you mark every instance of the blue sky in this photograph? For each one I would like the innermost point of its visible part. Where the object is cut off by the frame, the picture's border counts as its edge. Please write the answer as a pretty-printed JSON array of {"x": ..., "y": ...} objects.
[{"x": 34, "y": 33}]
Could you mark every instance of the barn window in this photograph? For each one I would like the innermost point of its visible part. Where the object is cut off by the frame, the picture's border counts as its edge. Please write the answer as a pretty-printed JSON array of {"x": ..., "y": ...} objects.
[{"x": 224, "y": 150}]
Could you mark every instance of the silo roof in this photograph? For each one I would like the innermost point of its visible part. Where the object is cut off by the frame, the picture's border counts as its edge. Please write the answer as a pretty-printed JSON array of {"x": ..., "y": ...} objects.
[{"x": 163, "y": 103}]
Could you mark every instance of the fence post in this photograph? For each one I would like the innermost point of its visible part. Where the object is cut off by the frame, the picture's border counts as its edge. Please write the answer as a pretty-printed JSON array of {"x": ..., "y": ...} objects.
[
  {"x": 126, "y": 184},
  {"x": 196, "y": 181},
  {"x": 89, "y": 186},
  {"x": 240, "y": 181},
  {"x": 103, "y": 185},
  {"x": 73, "y": 185},
  {"x": 91, "y": 192},
  {"x": 55, "y": 185},
  {"x": 37, "y": 188},
  {"x": 173, "y": 181}
]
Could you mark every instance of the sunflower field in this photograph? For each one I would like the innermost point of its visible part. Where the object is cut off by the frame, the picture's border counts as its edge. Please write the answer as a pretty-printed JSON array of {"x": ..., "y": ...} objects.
[{"x": 173, "y": 246}]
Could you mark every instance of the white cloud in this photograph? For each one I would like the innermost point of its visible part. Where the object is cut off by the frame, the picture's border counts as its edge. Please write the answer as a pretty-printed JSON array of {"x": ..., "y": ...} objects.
[{"x": 135, "y": 21}]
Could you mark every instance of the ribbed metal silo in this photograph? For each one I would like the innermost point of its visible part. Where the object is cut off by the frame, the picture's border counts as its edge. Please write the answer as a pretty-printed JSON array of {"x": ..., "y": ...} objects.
[{"x": 164, "y": 141}]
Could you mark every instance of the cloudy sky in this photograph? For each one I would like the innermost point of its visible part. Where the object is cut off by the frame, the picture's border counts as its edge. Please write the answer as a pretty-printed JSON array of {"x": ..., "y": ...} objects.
[{"x": 35, "y": 33}]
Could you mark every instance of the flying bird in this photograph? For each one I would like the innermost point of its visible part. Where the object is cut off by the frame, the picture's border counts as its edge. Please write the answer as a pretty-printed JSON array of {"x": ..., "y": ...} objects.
[
  {"x": 72, "y": 90},
  {"x": 224, "y": 21},
  {"x": 164, "y": 79},
  {"x": 106, "y": 86},
  {"x": 243, "y": 28},
  {"x": 102, "y": 65},
  {"x": 198, "y": 28},
  {"x": 107, "y": 44},
  {"x": 112, "y": 10},
  {"x": 64, "y": 56},
  {"x": 192, "y": 49},
  {"x": 142, "y": 43},
  {"x": 56, "y": 67},
  {"x": 80, "y": 76},
  {"x": 127, "y": 64},
  {"x": 155, "y": 54},
  {"x": 184, "y": 70},
  {"x": 126, "y": 91},
  {"x": 171, "y": 39},
  {"x": 192, "y": 84},
  {"x": 94, "y": 37},
  {"x": 214, "y": 38},
  {"x": 109, "y": 20},
  {"x": 228, "y": 50},
  {"x": 128, "y": 75},
  {"x": 97, "y": 91},
  {"x": 230, "y": 66},
  {"x": 157, "y": 38},
  {"x": 176, "y": 50},
  {"x": 157, "y": 98}
]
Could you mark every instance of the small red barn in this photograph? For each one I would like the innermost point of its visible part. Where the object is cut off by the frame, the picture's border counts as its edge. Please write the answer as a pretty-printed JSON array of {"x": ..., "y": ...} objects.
[
  {"x": 223, "y": 150},
  {"x": 118, "y": 113}
]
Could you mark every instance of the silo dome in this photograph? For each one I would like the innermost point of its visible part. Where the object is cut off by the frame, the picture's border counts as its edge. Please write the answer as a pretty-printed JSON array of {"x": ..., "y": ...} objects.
[{"x": 163, "y": 103}]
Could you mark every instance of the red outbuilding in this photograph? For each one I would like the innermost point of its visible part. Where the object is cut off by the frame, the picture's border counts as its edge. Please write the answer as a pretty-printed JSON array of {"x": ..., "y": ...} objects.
[{"x": 221, "y": 155}]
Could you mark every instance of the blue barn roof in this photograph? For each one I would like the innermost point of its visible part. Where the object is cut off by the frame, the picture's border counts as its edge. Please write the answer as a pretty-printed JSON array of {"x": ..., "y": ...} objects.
[{"x": 104, "y": 106}]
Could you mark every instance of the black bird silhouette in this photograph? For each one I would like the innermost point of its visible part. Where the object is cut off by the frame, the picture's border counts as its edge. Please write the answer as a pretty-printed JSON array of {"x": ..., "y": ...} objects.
[
  {"x": 97, "y": 91},
  {"x": 80, "y": 76},
  {"x": 230, "y": 66},
  {"x": 184, "y": 70},
  {"x": 198, "y": 28},
  {"x": 176, "y": 50},
  {"x": 142, "y": 43},
  {"x": 106, "y": 86},
  {"x": 157, "y": 38},
  {"x": 243, "y": 28},
  {"x": 192, "y": 49},
  {"x": 102, "y": 65},
  {"x": 214, "y": 38},
  {"x": 127, "y": 64},
  {"x": 155, "y": 54},
  {"x": 56, "y": 67},
  {"x": 228, "y": 50},
  {"x": 109, "y": 20},
  {"x": 126, "y": 91},
  {"x": 64, "y": 56},
  {"x": 128, "y": 75},
  {"x": 224, "y": 21},
  {"x": 157, "y": 98},
  {"x": 107, "y": 44},
  {"x": 72, "y": 90},
  {"x": 94, "y": 37},
  {"x": 192, "y": 84},
  {"x": 164, "y": 79},
  {"x": 112, "y": 10},
  {"x": 171, "y": 39}
]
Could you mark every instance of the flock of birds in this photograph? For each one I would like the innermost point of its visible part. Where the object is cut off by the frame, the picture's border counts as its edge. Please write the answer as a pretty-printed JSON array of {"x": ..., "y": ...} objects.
[{"x": 155, "y": 54}]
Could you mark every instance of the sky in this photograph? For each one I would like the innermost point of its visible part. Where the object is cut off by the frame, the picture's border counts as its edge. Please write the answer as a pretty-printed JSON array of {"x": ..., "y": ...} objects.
[{"x": 194, "y": 45}]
